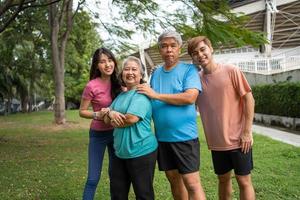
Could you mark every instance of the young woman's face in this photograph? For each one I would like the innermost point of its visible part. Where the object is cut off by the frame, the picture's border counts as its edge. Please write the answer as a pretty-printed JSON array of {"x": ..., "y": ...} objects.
[
  {"x": 131, "y": 74},
  {"x": 106, "y": 65}
]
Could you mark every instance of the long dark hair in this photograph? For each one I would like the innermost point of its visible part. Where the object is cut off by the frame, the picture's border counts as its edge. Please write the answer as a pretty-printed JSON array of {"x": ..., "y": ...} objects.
[{"x": 95, "y": 72}]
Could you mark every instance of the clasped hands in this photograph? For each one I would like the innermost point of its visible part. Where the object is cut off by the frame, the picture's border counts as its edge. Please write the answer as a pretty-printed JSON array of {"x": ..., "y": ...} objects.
[{"x": 116, "y": 119}]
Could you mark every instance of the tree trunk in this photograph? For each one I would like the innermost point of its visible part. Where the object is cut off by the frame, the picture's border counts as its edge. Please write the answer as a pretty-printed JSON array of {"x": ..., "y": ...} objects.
[
  {"x": 30, "y": 103},
  {"x": 59, "y": 104},
  {"x": 24, "y": 102},
  {"x": 58, "y": 69},
  {"x": 58, "y": 47},
  {"x": 8, "y": 105}
]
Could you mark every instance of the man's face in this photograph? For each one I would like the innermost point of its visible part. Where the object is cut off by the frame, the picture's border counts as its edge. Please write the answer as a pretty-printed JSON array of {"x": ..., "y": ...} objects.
[
  {"x": 202, "y": 54},
  {"x": 169, "y": 51}
]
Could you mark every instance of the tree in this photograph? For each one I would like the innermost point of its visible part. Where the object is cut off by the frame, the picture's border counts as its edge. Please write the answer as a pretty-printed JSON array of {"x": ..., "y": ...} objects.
[
  {"x": 216, "y": 20},
  {"x": 83, "y": 41},
  {"x": 10, "y": 9},
  {"x": 7, "y": 75},
  {"x": 211, "y": 18},
  {"x": 25, "y": 62},
  {"x": 192, "y": 17},
  {"x": 58, "y": 14},
  {"x": 28, "y": 61}
]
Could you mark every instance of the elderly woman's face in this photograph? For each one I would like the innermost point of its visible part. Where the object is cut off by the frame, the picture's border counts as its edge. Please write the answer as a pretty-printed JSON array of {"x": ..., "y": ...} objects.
[{"x": 131, "y": 74}]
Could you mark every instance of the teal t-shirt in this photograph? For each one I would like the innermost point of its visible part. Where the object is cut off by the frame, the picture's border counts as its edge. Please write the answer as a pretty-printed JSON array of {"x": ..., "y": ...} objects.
[
  {"x": 174, "y": 123},
  {"x": 138, "y": 139}
]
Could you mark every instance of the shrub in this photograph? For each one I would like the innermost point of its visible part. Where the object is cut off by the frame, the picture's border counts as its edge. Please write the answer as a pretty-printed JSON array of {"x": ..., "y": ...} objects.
[{"x": 281, "y": 99}]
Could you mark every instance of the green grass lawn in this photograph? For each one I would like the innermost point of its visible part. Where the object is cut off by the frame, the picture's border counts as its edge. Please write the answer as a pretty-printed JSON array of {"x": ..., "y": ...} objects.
[{"x": 40, "y": 160}]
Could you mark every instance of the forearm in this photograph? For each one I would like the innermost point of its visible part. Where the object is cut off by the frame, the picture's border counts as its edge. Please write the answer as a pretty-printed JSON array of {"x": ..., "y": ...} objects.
[
  {"x": 126, "y": 124},
  {"x": 176, "y": 99},
  {"x": 86, "y": 114},
  {"x": 96, "y": 115},
  {"x": 128, "y": 120},
  {"x": 249, "y": 113},
  {"x": 189, "y": 96}
]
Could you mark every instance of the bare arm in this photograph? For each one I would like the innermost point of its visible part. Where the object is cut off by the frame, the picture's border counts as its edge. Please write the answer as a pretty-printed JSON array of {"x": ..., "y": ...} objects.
[
  {"x": 85, "y": 113},
  {"x": 246, "y": 137},
  {"x": 187, "y": 97},
  {"x": 128, "y": 121},
  {"x": 120, "y": 120}
]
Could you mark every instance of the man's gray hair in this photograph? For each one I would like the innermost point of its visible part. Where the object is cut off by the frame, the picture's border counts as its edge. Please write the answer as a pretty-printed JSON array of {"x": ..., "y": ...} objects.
[
  {"x": 170, "y": 34},
  {"x": 136, "y": 60}
]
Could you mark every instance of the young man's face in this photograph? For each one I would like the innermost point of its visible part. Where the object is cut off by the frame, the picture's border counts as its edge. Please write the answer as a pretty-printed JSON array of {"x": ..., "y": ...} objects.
[
  {"x": 202, "y": 54},
  {"x": 169, "y": 51}
]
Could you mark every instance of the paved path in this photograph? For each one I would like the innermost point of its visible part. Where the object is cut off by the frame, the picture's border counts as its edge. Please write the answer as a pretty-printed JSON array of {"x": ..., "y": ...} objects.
[{"x": 279, "y": 135}]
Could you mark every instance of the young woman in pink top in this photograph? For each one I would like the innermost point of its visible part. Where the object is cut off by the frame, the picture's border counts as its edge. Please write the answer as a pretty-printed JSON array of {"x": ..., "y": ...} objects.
[{"x": 99, "y": 92}]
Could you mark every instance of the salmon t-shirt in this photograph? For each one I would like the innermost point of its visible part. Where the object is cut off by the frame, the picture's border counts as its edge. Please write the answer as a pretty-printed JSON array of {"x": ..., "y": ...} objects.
[
  {"x": 98, "y": 92},
  {"x": 221, "y": 106}
]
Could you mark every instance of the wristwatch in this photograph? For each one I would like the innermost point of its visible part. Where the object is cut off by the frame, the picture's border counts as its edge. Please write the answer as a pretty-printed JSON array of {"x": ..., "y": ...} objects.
[{"x": 94, "y": 115}]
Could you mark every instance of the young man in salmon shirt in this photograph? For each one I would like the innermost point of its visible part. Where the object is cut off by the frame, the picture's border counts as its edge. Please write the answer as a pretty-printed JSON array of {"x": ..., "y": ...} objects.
[{"x": 226, "y": 106}]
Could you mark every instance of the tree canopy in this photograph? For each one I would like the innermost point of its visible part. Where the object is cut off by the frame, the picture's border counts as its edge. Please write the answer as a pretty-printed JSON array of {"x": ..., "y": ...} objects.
[{"x": 26, "y": 47}]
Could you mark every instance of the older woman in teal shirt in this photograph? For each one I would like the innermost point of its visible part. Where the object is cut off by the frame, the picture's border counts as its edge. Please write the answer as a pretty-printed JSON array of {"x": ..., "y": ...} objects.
[{"x": 134, "y": 142}]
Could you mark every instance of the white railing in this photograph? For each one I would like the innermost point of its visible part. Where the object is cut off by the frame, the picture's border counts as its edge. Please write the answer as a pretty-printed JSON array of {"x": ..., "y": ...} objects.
[
  {"x": 268, "y": 65},
  {"x": 285, "y": 61},
  {"x": 287, "y": 53}
]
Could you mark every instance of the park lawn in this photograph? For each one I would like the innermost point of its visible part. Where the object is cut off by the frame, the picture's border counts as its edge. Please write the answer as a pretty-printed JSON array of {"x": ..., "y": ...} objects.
[{"x": 40, "y": 160}]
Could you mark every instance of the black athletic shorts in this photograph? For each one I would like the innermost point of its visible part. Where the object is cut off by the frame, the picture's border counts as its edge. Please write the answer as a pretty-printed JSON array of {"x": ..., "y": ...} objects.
[
  {"x": 183, "y": 156},
  {"x": 224, "y": 161}
]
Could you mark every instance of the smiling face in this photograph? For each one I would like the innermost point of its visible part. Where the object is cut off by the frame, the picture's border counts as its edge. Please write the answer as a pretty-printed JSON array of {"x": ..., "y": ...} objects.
[
  {"x": 106, "y": 66},
  {"x": 131, "y": 74},
  {"x": 169, "y": 51},
  {"x": 202, "y": 54}
]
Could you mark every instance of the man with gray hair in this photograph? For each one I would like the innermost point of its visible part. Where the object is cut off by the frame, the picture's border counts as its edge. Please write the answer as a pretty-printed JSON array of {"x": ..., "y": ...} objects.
[{"x": 175, "y": 87}]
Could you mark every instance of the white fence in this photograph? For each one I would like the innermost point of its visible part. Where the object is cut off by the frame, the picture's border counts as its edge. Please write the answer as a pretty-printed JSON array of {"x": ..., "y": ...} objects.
[
  {"x": 285, "y": 61},
  {"x": 269, "y": 65}
]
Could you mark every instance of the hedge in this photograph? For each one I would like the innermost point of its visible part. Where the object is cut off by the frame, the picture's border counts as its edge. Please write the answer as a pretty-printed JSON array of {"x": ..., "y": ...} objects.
[{"x": 281, "y": 99}]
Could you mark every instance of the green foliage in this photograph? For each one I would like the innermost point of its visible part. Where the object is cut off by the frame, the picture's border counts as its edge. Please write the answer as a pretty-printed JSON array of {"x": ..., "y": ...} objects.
[
  {"x": 281, "y": 99},
  {"x": 7, "y": 72},
  {"x": 84, "y": 40},
  {"x": 136, "y": 12},
  {"x": 25, "y": 56},
  {"x": 127, "y": 18},
  {"x": 192, "y": 18},
  {"x": 40, "y": 160},
  {"x": 215, "y": 20},
  {"x": 25, "y": 52}
]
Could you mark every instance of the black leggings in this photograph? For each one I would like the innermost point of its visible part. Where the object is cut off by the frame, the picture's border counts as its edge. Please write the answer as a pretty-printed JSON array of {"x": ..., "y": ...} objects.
[{"x": 138, "y": 171}]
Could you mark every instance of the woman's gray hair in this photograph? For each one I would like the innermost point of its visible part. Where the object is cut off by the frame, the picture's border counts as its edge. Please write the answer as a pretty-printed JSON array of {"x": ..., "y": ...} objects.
[
  {"x": 170, "y": 34},
  {"x": 138, "y": 62}
]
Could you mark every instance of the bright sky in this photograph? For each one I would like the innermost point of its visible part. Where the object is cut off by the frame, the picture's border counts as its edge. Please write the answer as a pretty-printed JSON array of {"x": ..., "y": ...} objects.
[{"x": 106, "y": 11}]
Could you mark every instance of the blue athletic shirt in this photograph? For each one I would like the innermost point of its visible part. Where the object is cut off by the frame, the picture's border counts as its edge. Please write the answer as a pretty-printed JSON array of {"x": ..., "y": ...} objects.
[
  {"x": 174, "y": 123},
  {"x": 138, "y": 139}
]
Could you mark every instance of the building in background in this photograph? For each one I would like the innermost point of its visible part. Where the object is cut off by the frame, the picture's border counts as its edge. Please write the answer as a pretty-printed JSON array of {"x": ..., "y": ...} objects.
[{"x": 280, "y": 20}]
